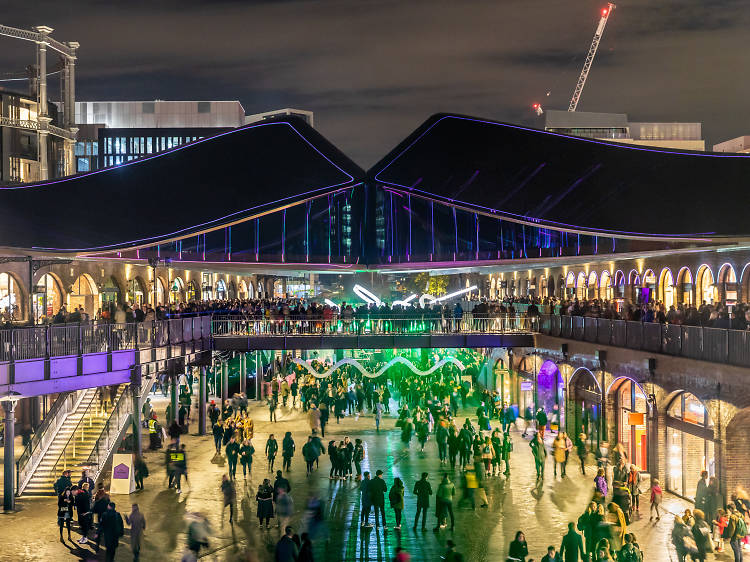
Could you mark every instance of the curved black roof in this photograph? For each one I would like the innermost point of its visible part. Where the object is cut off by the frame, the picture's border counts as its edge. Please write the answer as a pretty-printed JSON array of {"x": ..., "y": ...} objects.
[
  {"x": 208, "y": 182},
  {"x": 554, "y": 178}
]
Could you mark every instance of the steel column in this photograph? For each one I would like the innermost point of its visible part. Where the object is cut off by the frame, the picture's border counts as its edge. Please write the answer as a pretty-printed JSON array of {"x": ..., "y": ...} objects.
[
  {"x": 202, "y": 399},
  {"x": 9, "y": 465}
]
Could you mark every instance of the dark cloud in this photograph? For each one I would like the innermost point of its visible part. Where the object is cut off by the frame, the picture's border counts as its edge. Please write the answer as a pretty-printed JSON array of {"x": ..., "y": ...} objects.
[{"x": 373, "y": 70}]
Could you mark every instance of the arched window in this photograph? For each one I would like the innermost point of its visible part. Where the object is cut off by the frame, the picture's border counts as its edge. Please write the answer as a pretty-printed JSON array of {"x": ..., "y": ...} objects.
[
  {"x": 605, "y": 286},
  {"x": 586, "y": 395},
  {"x": 242, "y": 289},
  {"x": 137, "y": 292},
  {"x": 690, "y": 444},
  {"x": 581, "y": 286},
  {"x": 11, "y": 299},
  {"x": 48, "y": 298},
  {"x": 221, "y": 290},
  {"x": 570, "y": 285},
  {"x": 192, "y": 292},
  {"x": 631, "y": 415},
  {"x": 176, "y": 290},
  {"x": 593, "y": 284},
  {"x": 619, "y": 284},
  {"x": 84, "y": 294},
  {"x": 684, "y": 292},
  {"x": 161, "y": 291},
  {"x": 666, "y": 287},
  {"x": 705, "y": 288},
  {"x": 726, "y": 285}
]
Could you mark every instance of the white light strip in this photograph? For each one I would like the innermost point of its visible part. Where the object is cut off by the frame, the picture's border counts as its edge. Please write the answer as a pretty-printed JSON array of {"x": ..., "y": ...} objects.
[
  {"x": 366, "y": 295},
  {"x": 332, "y": 304},
  {"x": 357, "y": 365},
  {"x": 433, "y": 299},
  {"x": 406, "y": 302},
  {"x": 457, "y": 293}
]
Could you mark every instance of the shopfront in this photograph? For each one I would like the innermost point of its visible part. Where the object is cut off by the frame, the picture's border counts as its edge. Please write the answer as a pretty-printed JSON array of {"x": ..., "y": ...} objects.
[
  {"x": 47, "y": 298},
  {"x": 136, "y": 292},
  {"x": 84, "y": 294},
  {"x": 690, "y": 444},
  {"x": 191, "y": 291},
  {"x": 631, "y": 419},
  {"x": 176, "y": 290},
  {"x": 550, "y": 393},
  {"x": 585, "y": 408},
  {"x": 221, "y": 290},
  {"x": 110, "y": 294}
]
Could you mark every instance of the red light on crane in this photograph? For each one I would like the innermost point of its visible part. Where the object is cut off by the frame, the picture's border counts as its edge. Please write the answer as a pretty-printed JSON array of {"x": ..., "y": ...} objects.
[
  {"x": 604, "y": 12},
  {"x": 535, "y": 106}
]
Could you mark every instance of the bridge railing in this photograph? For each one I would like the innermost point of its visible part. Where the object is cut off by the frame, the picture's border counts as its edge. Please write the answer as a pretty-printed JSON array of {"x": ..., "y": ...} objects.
[
  {"x": 42, "y": 342},
  {"x": 693, "y": 342},
  {"x": 254, "y": 326}
]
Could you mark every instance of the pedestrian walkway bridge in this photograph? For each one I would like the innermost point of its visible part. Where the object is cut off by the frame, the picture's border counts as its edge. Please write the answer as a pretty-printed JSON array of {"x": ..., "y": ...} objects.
[
  {"x": 60, "y": 358},
  {"x": 250, "y": 334}
]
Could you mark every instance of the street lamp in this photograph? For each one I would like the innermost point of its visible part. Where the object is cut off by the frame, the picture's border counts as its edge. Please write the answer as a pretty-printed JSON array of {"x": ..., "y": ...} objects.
[{"x": 9, "y": 400}]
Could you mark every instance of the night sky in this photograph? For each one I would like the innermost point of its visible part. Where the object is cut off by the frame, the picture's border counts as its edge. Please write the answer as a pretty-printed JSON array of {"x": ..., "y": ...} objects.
[{"x": 372, "y": 71}]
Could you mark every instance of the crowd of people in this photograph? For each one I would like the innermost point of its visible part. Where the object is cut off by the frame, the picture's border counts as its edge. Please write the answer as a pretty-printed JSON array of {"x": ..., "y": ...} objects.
[{"x": 477, "y": 437}]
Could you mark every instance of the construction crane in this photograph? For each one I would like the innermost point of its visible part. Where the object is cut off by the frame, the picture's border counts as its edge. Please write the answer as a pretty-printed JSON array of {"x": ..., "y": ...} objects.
[{"x": 606, "y": 12}]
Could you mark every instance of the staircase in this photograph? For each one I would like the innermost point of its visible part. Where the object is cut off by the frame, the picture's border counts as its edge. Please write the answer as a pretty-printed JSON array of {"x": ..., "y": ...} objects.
[{"x": 72, "y": 445}]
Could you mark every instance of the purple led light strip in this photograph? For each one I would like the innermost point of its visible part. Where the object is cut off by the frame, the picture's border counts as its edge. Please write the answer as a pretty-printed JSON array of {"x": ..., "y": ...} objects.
[
  {"x": 567, "y": 137},
  {"x": 182, "y": 147}
]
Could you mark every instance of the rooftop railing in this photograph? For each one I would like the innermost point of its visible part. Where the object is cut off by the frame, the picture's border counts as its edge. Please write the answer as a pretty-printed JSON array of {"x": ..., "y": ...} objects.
[{"x": 717, "y": 345}]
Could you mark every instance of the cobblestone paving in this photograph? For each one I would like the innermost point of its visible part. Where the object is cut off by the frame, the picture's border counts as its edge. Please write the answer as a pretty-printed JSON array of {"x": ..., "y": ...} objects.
[{"x": 482, "y": 535}]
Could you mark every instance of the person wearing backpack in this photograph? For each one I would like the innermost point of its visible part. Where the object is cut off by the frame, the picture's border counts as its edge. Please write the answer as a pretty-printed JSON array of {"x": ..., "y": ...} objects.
[
  {"x": 735, "y": 531},
  {"x": 629, "y": 552}
]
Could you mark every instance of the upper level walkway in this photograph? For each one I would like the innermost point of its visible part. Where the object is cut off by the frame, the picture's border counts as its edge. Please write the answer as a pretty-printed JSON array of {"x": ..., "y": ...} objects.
[
  {"x": 58, "y": 358},
  {"x": 249, "y": 334},
  {"x": 716, "y": 345}
]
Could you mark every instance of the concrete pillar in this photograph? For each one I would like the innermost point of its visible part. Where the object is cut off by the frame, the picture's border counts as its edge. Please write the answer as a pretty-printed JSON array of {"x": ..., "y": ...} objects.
[
  {"x": 202, "y": 399},
  {"x": 224, "y": 383},
  {"x": 174, "y": 385},
  {"x": 9, "y": 465},
  {"x": 42, "y": 109},
  {"x": 243, "y": 373}
]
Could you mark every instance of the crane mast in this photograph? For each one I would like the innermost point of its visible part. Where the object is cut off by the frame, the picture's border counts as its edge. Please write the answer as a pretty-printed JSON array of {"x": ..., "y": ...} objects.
[{"x": 606, "y": 12}]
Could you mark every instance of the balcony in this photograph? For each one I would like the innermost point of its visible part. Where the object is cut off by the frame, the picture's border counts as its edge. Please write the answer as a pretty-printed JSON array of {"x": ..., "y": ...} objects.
[{"x": 731, "y": 347}]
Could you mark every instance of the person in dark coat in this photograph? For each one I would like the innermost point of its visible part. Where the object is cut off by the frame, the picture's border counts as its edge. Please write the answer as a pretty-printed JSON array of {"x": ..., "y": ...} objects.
[
  {"x": 572, "y": 546},
  {"x": 264, "y": 497},
  {"x": 287, "y": 451},
  {"x": 423, "y": 491},
  {"x": 272, "y": 447},
  {"x": 518, "y": 547},
  {"x": 377, "y": 490},
  {"x": 63, "y": 482},
  {"x": 111, "y": 529},
  {"x": 83, "y": 507},
  {"x": 306, "y": 549},
  {"x": 232, "y": 450},
  {"x": 65, "y": 504},
  {"x": 286, "y": 548},
  {"x": 229, "y": 493}
]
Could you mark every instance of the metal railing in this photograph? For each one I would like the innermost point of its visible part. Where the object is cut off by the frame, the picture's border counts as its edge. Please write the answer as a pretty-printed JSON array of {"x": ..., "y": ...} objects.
[
  {"x": 250, "y": 326},
  {"x": 717, "y": 345},
  {"x": 34, "y": 451},
  {"x": 110, "y": 434},
  {"x": 41, "y": 342}
]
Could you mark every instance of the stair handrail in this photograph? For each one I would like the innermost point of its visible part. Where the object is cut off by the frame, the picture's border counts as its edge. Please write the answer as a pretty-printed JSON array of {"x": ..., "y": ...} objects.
[
  {"x": 45, "y": 434},
  {"x": 110, "y": 433},
  {"x": 80, "y": 426}
]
